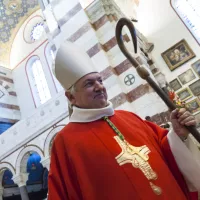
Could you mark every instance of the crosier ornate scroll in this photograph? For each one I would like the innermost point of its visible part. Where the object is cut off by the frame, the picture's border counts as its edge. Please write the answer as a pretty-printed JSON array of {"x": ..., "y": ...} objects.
[{"x": 143, "y": 73}]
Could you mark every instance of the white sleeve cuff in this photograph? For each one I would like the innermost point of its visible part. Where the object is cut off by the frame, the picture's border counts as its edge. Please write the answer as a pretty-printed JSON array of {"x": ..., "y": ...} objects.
[{"x": 188, "y": 165}]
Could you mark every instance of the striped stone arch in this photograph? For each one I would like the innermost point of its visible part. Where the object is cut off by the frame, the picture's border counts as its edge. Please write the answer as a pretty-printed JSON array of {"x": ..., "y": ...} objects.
[
  {"x": 23, "y": 156},
  {"x": 3, "y": 167},
  {"x": 49, "y": 139}
]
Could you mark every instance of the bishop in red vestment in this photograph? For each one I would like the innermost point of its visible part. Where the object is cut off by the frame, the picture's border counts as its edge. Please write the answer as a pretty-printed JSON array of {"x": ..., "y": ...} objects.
[{"x": 104, "y": 154}]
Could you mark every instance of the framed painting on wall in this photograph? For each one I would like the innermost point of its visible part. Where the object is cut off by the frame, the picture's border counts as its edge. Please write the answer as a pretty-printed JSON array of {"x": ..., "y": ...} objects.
[
  {"x": 178, "y": 54},
  {"x": 186, "y": 77},
  {"x": 197, "y": 117},
  {"x": 175, "y": 85},
  {"x": 195, "y": 88},
  {"x": 196, "y": 67},
  {"x": 184, "y": 94},
  {"x": 193, "y": 106}
]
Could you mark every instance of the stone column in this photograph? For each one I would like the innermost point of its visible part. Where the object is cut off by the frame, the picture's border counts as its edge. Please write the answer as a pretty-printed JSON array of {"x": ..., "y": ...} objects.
[
  {"x": 46, "y": 163},
  {"x": 1, "y": 193},
  {"x": 102, "y": 15},
  {"x": 20, "y": 180}
]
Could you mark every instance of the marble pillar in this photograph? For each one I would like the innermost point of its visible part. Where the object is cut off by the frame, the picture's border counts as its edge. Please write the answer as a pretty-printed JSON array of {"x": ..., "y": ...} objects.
[
  {"x": 20, "y": 180},
  {"x": 1, "y": 193},
  {"x": 24, "y": 192}
]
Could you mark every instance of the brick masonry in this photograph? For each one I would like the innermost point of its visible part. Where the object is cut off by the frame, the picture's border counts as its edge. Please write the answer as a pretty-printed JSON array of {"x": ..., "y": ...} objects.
[
  {"x": 2, "y": 78},
  {"x": 161, "y": 117},
  {"x": 107, "y": 46},
  {"x": 119, "y": 100},
  {"x": 122, "y": 67},
  {"x": 70, "y": 14},
  {"x": 9, "y": 106}
]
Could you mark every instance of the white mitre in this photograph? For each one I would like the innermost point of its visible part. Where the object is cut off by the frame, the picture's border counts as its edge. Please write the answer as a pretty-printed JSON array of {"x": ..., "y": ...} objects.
[{"x": 71, "y": 64}]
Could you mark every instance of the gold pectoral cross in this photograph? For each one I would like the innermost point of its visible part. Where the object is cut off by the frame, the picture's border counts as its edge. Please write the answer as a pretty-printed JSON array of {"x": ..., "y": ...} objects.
[
  {"x": 140, "y": 151},
  {"x": 138, "y": 157}
]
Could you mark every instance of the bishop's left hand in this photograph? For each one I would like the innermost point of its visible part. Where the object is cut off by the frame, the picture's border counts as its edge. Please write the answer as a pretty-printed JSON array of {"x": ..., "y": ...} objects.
[{"x": 179, "y": 118}]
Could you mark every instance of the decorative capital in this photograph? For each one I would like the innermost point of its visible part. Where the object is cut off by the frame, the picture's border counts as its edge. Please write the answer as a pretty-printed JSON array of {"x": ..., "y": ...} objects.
[
  {"x": 20, "y": 179},
  {"x": 99, "y": 8}
]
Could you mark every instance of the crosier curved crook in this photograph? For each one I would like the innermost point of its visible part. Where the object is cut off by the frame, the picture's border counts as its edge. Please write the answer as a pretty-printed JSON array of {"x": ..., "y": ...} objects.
[{"x": 144, "y": 74}]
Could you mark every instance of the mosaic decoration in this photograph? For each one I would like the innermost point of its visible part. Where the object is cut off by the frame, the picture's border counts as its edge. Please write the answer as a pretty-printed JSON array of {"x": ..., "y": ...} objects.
[
  {"x": 13, "y": 13},
  {"x": 10, "y": 13}
]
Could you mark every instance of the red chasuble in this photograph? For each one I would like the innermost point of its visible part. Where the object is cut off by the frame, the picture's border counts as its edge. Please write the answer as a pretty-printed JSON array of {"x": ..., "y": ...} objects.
[{"x": 90, "y": 162}]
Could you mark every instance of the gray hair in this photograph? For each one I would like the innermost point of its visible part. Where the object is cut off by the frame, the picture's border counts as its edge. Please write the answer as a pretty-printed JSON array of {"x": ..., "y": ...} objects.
[{"x": 71, "y": 90}]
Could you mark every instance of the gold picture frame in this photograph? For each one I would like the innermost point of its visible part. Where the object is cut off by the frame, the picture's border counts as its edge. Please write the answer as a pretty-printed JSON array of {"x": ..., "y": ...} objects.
[
  {"x": 175, "y": 84},
  {"x": 184, "y": 94},
  {"x": 196, "y": 67},
  {"x": 178, "y": 54},
  {"x": 186, "y": 76},
  {"x": 193, "y": 106},
  {"x": 195, "y": 88}
]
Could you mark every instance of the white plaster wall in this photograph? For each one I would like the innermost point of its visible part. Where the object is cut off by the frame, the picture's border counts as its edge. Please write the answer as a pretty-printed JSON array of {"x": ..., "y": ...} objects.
[
  {"x": 13, "y": 157},
  {"x": 7, "y": 71},
  {"x": 20, "y": 53},
  {"x": 62, "y": 7},
  {"x": 7, "y": 98},
  {"x": 40, "y": 140},
  {"x": 20, "y": 49},
  {"x": 48, "y": 115},
  {"x": 148, "y": 105},
  {"x": 100, "y": 61},
  {"x": 9, "y": 114},
  {"x": 88, "y": 40},
  {"x": 25, "y": 99},
  {"x": 161, "y": 25},
  {"x": 75, "y": 23},
  {"x": 22, "y": 87},
  {"x": 125, "y": 106}
]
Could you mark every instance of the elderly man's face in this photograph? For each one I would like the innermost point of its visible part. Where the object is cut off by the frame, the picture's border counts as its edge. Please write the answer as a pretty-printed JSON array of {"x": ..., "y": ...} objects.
[{"x": 89, "y": 92}]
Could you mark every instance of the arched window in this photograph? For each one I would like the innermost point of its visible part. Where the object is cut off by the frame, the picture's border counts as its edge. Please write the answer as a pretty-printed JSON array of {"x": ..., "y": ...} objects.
[
  {"x": 50, "y": 57},
  {"x": 52, "y": 54},
  {"x": 189, "y": 12},
  {"x": 38, "y": 82}
]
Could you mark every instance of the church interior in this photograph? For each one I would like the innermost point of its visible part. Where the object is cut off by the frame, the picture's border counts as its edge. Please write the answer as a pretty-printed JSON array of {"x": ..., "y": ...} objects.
[{"x": 32, "y": 102}]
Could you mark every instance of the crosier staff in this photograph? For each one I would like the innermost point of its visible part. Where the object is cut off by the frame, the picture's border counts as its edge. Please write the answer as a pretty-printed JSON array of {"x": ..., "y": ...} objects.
[{"x": 143, "y": 73}]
